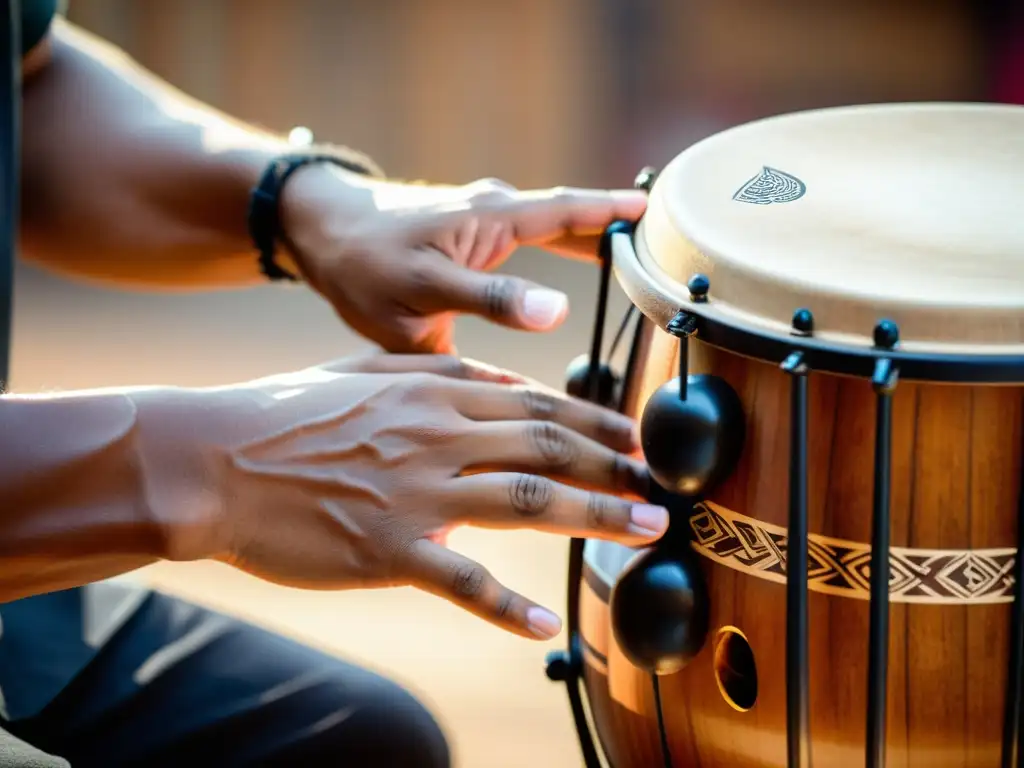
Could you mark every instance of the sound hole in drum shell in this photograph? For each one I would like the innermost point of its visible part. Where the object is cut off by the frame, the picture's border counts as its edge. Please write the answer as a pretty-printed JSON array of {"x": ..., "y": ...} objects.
[{"x": 735, "y": 669}]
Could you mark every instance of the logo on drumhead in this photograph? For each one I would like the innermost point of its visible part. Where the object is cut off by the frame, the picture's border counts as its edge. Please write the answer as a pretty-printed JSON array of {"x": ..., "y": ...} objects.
[{"x": 771, "y": 186}]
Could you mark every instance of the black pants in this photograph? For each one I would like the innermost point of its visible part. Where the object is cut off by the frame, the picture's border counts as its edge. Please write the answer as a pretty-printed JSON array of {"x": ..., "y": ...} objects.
[{"x": 182, "y": 686}]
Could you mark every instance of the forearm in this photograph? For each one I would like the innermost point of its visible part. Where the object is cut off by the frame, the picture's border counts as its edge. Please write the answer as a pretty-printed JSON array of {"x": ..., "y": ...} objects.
[
  {"x": 78, "y": 492},
  {"x": 126, "y": 179}
]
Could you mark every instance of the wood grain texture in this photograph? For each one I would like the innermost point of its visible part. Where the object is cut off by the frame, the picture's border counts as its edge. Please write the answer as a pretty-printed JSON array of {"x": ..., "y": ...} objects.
[{"x": 955, "y": 482}]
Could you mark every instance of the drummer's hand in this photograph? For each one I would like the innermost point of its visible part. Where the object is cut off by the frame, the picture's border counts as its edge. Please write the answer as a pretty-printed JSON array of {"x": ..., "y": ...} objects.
[
  {"x": 398, "y": 261},
  {"x": 336, "y": 480}
]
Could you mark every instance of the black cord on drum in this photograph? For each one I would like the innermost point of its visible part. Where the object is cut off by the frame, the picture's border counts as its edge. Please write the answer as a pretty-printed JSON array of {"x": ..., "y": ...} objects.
[
  {"x": 622, "y": 330},
  {"x": 565, "y": 666},
  {"x": 666, "y": 755}
]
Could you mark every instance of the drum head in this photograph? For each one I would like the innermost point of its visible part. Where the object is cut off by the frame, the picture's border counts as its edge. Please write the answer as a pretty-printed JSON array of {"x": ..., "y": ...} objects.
[{"x": 909, "y": 212}]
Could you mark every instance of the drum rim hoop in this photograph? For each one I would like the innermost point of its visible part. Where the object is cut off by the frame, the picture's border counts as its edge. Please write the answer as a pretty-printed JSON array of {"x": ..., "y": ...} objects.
[{"x": 661, "y": 306}]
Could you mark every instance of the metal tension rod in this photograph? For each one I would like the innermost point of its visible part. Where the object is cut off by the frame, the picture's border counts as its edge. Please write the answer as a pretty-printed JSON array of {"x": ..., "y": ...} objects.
[
  {"x": 1013, "y": 733},
  {"x": 10, "y": 128},
  {"x": 884, "y": 381},
  {"x": 798, "y": 729}
]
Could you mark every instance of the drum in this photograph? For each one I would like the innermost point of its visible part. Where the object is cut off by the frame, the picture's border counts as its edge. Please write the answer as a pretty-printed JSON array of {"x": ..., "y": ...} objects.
[{"x": 843, "y": 292}]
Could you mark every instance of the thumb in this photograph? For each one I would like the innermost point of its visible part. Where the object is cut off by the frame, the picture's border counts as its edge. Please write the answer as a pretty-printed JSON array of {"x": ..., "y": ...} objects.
[{"x": 509, "y": 301}]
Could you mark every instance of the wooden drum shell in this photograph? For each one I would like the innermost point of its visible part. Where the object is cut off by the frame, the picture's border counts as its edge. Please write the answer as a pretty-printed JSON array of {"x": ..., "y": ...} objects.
[{"x": 956, "y": 467}]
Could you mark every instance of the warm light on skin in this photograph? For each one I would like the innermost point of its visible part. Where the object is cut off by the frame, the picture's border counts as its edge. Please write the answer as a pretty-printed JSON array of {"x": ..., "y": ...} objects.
[
  {"x": 220, "y": 133},
  {"x": 291, "y": 384},
  {"x": 289, "y": 393},
  {"x": 67, "y": 395}
]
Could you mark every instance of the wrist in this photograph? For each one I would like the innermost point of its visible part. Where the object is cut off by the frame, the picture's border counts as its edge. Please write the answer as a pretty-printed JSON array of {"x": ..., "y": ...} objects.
[
  {"x": 182, "y": 436},
  {"x": 324, "y": 205},
  {"x": 268, "y": 208},
  {"x": 78, "y": 502},
  {"x": 320, "y": 205}
]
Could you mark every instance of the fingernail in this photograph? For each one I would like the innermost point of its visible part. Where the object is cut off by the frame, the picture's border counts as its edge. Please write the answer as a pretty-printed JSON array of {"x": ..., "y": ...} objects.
[
  {"x": 648, "y": 520},
  {"x": 542, "y": 306},
  {"x": 542, "y": 622}
]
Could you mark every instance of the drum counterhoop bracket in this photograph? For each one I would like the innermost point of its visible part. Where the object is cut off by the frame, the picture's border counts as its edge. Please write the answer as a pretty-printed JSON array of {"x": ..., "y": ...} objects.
[{"x": 683, "y": 325}]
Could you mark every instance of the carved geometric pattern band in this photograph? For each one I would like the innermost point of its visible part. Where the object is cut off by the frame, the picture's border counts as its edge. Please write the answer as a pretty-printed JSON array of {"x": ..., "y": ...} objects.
[{"x": 842, "y": 568}]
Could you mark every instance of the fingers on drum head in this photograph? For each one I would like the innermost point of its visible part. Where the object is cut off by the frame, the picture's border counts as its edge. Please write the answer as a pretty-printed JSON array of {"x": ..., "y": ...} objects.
[
  {"x": 521, "y": 500},
  {"x": 540, "y": 215}
]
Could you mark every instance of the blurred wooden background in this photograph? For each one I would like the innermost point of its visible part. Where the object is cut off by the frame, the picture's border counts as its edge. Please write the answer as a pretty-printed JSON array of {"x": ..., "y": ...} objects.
[{"x": 538, "y": 92}]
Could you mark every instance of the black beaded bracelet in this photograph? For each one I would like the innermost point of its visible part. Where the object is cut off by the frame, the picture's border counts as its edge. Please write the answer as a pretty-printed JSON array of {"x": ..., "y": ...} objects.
[{"x": 264, "y": 216}]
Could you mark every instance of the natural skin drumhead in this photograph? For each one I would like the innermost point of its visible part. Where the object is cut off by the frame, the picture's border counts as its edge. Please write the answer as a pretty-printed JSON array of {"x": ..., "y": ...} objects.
[{"x": 910, "y": 212}]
